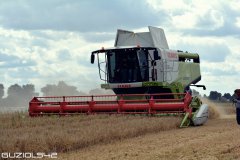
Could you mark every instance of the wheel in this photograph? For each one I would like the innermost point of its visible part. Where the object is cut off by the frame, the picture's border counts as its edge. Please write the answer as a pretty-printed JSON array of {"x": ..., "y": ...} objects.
[{"x": 238, "y": 115}]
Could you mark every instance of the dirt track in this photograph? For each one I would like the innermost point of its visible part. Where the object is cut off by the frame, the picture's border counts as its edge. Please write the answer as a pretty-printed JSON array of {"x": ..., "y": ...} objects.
[{"x": 218, "y": 139}]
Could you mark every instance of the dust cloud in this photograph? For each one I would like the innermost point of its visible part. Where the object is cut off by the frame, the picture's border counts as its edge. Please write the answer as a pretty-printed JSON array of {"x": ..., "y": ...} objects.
[
  {"x": 17, "y": 97},
  {"x": 220, "y": 110}
]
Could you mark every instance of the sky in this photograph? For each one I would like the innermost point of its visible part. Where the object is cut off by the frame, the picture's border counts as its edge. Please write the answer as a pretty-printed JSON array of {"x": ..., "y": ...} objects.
[{"x": 43, "y": 42}]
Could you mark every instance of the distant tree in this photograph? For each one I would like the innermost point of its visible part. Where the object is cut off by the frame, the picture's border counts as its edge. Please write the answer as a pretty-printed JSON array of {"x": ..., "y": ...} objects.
[
  {"x": 65, "y": 89},
  {"x": 214, "y": 95},
  {"x": 14, "y": 90},
  {"x": 48, "y": 90},
  {"x": 1, "y": 91},
  {"x": 19, "y": 96},
  {"x": 28, "y": 91},
  {"x": 227, "y": 96},
  {"x": 61, "y": 89}
]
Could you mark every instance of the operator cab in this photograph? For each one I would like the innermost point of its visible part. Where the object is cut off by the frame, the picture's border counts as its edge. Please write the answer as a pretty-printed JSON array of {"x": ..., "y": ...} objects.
[{"x": 126, "y": 65}]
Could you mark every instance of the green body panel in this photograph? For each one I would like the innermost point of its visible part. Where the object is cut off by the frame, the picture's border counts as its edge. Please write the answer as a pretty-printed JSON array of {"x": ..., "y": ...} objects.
[
  {"x": 188, "y": 55},
  {"x": 105, "y": 86},
  {"x": 186, "y": 121},
  {"x": 175, "y": 87},
  {"x": 194, "y": 105},
  {"x": 188, "y": 72}
]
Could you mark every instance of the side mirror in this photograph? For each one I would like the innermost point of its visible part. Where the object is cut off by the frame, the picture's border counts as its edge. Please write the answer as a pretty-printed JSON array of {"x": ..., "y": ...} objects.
[
  {"x": 203, "y": 86},
  {"x": 92, "y": 58},
  {"x": 155, "y": 55},
  {"x": 153, "y": 63}
]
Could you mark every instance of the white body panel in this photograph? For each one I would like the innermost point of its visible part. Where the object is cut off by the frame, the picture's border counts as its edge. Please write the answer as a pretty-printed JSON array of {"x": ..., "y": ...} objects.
[
  {"x": 158, "y": 37},
  {"x": 170, "y": 65},
  {"x": 201, "y": 115},
  {"x": 154, "y": 38},
  {"x": 166, "y": 67}
]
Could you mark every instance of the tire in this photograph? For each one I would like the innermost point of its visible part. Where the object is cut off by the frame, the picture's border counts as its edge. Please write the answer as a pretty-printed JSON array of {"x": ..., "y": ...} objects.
[{"x": 238, "y": 115}]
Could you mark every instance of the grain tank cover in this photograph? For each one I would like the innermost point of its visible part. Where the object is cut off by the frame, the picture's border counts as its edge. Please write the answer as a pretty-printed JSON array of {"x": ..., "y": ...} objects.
[{"x": 154, "y": 38}]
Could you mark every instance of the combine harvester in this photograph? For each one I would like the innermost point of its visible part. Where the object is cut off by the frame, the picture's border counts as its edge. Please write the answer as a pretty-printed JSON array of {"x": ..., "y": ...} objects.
[{"x": 146, "y": 76}]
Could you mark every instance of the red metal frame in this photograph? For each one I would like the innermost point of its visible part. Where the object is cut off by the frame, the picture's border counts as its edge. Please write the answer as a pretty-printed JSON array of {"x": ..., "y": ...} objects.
[{"x": 111, "y": 104}]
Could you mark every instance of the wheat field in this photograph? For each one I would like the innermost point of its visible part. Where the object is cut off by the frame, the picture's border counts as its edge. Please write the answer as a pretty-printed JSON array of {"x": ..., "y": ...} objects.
[{"x": 70, "y": 136}]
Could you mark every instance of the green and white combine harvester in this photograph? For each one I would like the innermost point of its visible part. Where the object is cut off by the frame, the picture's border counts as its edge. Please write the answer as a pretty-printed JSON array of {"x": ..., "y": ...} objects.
[{"x": 147, "y": 78}]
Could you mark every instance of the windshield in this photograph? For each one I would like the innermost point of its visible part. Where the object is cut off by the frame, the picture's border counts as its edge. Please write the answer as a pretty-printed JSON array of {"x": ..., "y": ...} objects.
[{"x": 127, "y": 65}]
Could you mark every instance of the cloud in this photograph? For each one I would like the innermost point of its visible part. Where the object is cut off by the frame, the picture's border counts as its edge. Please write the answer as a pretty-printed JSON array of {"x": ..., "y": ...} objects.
[
  {"x": 23, "y": 73},
  {"x": 218, "y": 70},
  {"x": 99, "y": 37},
  {"x": 49, "y": 41},
  {"x": 64, "y": 55},
  {"x": 10, "y": 61},
  {"x": 41, "y": 57},
  {"x": 209, "y": 49},
  {"x": 213, "y": 53},
  {"x": 216, "y": 21},
  {"x": 201, "y": 18},
  {"x": 229, "y": 28},
  {"x": 5, "y": 57},
  {"x": 73, "y": 15},
  {"x": 210, "y": 20}
]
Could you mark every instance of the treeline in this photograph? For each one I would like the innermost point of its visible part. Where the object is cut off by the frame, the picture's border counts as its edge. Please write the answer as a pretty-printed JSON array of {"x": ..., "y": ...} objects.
[
  {"x": 214, "y": 95},
  {"x": 19, "y": 96}
]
